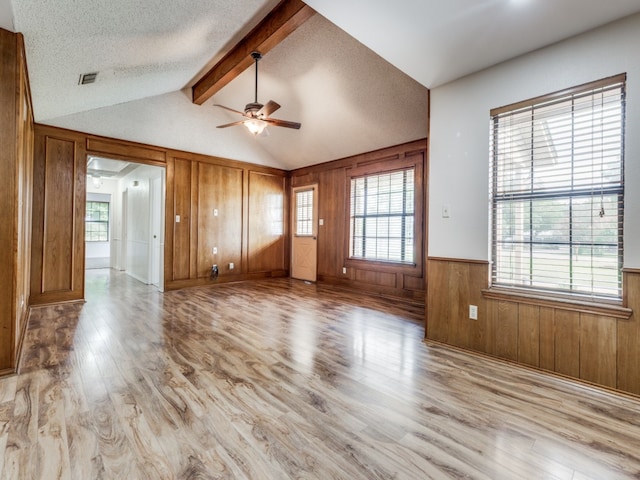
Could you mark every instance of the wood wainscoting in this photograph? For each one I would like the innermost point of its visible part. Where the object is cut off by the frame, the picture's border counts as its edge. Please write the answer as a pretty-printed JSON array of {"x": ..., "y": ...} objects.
[
  {"x": 596, "y": 345},
  {"x": 249, "y": 230},
  {"x": 333, "y": 208}
]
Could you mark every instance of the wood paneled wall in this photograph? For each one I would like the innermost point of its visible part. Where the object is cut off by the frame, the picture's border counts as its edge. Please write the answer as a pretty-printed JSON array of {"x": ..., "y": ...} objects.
[
  {"x": 237, "y": 208},
  {"x": 57, "y": 248},
  {"x": 16, "y": 165},
  {"x": 594, "y": 344},
  {"x": 333, "y": 208},
  {"x": 249, "y": 230}
]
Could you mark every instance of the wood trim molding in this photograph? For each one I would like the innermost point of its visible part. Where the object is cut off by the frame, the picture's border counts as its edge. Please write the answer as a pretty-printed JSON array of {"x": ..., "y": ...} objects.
[
  {"x": 635, "y": 271},
  {"x": 615, "y": 310},
  {"x": 457, "y": 260},
  {"x": 126, "y": 150},
  {"x": 406, "y": 149},
  {"x": 283, "y": 20}
]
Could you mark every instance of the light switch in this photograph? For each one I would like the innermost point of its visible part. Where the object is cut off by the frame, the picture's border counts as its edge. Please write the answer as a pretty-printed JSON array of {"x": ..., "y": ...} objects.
[
  {"x": 215, "y": 250},
  {"x": 321, "y": 221},
  {"x": 177, "y": 218},
  {"x": 215, "y": 212},
  {"x": 445, "y": 211}
]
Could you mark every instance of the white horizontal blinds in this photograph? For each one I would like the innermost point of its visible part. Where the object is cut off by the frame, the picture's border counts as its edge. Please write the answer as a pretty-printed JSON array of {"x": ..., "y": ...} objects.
[
  {"x": 304, "y": 212},
  {"x": 557, "y": 192},
  {"x": 382, "y": 210}
]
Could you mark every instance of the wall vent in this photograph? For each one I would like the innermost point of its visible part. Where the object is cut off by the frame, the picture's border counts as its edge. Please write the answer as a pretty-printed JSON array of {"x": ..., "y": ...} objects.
[{"x": 87, "y": 78}]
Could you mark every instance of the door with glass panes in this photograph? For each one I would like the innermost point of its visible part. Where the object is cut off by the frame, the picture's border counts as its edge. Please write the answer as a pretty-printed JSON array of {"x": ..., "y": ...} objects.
[{"x": 304, "y": 243}]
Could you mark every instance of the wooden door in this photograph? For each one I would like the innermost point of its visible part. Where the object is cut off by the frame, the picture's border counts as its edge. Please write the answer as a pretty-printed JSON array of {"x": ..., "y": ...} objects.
[{"x": 304, "y": 243}]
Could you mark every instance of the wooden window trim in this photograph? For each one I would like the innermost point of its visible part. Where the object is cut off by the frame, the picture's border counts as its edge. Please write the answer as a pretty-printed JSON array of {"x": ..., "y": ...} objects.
[
  {"x": 559, "y": 302},
  {"x": 380, "y": 167}
]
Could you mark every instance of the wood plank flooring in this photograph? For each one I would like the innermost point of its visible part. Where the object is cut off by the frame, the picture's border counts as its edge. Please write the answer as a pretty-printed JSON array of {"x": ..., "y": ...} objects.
[{"x": 278, "y": 379}]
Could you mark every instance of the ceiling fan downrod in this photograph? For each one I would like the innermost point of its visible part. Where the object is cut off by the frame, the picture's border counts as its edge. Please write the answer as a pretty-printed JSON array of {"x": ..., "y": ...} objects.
[{"x": 256, "y": 56}]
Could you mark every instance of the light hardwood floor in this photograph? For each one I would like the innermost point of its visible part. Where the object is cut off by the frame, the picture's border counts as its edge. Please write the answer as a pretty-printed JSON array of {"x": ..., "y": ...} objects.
[{"x": 278, "y": 379}]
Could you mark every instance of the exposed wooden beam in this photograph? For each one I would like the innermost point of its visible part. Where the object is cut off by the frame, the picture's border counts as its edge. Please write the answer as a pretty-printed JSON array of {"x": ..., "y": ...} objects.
[{"x": 283, "y": 20}]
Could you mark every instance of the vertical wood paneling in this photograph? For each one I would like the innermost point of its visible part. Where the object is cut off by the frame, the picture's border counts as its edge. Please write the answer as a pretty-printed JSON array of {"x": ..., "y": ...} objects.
[
  {"x": 8, "y": 192},
  {"x": 506, "y": 339},
  {"x": 628, "y": 338},
  {"x": 266, "y": 222},
  {"x": 57, "y": 249},
  {"x": 477, "y": 329},
  {"x": 437, "y": 311},
  {"x": 182, "y": 207},
  {"x": 16, "y": 187},
  {"x": 219, "y": 188},
  {"x": 331, "y": 186},
  {"x": 567, "y": 343},
  {"x": 459, "y": 322},
  {"x": 594, "y": 347},
  {"x": 547, "y": 339},
  {"x": 598, "y": 349},
  {"x": 529, "y": 335},
  {"x": 57, "y": 257}
]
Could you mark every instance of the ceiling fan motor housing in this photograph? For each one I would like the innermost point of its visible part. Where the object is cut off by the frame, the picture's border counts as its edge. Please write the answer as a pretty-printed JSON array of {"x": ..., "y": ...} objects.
[{"x": 251, "y": 109}]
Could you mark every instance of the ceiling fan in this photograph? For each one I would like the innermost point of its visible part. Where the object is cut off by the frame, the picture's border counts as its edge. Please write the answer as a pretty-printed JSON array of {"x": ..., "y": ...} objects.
[{"x": 256, "y": 114}]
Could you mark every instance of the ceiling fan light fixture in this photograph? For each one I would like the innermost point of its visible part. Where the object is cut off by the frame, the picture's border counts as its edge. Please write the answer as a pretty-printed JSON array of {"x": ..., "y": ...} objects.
[{"x": 255, "y": 126}]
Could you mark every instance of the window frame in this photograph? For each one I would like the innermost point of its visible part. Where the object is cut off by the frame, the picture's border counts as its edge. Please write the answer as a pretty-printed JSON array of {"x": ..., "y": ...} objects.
[
  {"x": 566, "y": 193},
  {"x": 87, "y": 221},
  {"x": 380, "y": 167}
]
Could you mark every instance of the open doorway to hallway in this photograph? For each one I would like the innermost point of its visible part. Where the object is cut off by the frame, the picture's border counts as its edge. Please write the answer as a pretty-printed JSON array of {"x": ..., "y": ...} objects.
[{"x": 124, "y": 221}]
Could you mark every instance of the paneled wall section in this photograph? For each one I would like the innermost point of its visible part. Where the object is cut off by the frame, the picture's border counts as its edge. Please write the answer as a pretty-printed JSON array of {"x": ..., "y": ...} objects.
[
  {"x": 224, "y": 213},
  {"x": 16, "y": 165},
  {"x": 596, "y": 345},
  {"x": 333, "y": 208}
]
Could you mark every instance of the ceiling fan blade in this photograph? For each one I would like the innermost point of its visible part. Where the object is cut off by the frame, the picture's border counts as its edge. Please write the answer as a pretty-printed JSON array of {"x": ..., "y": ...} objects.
[
  {"x": 231, "y": 124},
  {"x": 267, "y": 109},
  {"x": 230, "y": 109},
  {"x": 282, "y": 123}
]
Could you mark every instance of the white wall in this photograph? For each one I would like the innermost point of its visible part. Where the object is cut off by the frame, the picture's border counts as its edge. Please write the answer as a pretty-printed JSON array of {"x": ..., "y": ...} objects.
[
  {"x": 138, "y": 221},
  {"x": 459, "y": 137}
]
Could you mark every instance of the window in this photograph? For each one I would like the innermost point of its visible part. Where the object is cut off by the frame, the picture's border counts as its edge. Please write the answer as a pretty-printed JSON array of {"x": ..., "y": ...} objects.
[
  {"x": 97, "y": 222},
  {"x": 557, "y": 191},
  {"x": 304, "y": 213},
  {"x": 382, "y": 216}
]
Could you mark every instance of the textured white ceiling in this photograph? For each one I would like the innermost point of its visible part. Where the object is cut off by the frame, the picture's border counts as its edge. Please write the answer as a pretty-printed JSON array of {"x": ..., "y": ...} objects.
[{"x": 348, "y": 99}]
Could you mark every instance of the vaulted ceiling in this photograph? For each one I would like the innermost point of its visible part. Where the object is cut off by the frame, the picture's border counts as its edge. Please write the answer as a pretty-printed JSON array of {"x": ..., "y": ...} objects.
[{"x": 355, "y": 75}]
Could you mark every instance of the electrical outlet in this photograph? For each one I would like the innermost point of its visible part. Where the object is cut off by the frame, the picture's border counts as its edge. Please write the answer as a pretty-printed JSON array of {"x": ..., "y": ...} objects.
[
  {"x": 215, "y": 212},
  {"x": 445, "y": 211},
  {"x": 231, "y": 266},
  {"x": 344, "y": 270},
  {"x": 215, "y": 250},
  {"x": 473, "y": 312}
]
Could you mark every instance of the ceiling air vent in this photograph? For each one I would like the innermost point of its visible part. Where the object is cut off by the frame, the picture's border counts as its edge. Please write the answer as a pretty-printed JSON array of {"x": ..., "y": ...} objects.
[{"x": 87, "y": 78}]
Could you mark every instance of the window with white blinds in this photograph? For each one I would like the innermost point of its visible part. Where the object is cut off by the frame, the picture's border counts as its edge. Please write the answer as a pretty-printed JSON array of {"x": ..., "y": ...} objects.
[
  {"x": 304, "y": 213},
  {"x": 557, "y": 191},
  {"x": 382, "y": 216}
]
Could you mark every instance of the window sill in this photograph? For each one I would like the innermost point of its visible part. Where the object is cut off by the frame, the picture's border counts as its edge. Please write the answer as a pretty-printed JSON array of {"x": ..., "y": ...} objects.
[
  {"x": 383, "y": 266},
  {"x": 604, "y": 308}
]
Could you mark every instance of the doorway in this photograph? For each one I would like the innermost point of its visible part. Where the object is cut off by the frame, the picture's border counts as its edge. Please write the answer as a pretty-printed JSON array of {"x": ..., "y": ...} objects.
[
  {"x": 135, "y": 230},
  {"x": 304, "y": 241}
]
